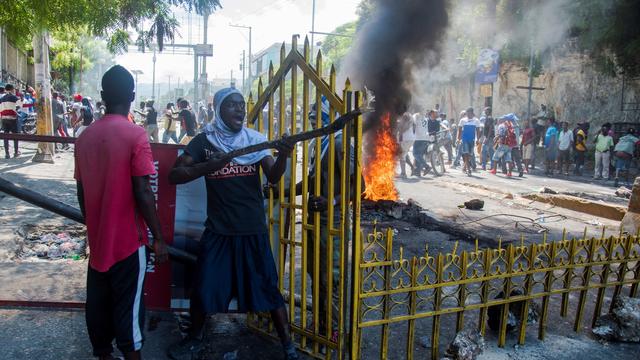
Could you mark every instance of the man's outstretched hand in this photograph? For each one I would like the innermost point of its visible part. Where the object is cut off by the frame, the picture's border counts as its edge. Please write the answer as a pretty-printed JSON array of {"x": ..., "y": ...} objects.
[{"x": 284, "y": 146}]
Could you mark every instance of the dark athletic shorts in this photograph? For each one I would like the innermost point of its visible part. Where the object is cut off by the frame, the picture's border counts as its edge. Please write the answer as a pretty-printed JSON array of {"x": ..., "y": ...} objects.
[{"x": 240, "y": 267}]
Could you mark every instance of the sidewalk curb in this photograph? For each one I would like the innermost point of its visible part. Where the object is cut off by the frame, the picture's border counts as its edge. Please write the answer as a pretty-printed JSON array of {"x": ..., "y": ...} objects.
[{"x": 609, "y": 211}]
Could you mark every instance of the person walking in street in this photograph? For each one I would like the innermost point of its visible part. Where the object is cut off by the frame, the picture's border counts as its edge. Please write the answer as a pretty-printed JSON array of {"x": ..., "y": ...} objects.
[
  {"x": 528, "y": 146},
  {"x": 188, "y": 121},
  {"x": 406, "y": 138},
  {"x": 456, "y": 139},
  {"x": 447, "y": 139},
  {"x": 468, "y": 132},
  {"x": 551, "y": 148},
  {"x": 505, "y": 140},
  {"x": 488, "y": 135},
  {"x": 113, "y": 164},
  {"x": 151, "y": 122},
  {"x": 59, "y": 123},
  {"x": 170, "y": 119},
  {"x": 624, "y": 151},
  {"x": 565, "y": 143},
  {"x": 604, "y": 145},
  {"x": 9, "y": 118},
  {"x": 420, "y": 145},
  {"x": 234, "y": 257}
]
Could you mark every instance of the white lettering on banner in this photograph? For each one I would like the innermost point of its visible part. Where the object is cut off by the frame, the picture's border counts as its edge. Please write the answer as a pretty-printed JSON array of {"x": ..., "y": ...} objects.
[
  {"x": 151, "y": 264},
  {"x": 153, "y": 181}
]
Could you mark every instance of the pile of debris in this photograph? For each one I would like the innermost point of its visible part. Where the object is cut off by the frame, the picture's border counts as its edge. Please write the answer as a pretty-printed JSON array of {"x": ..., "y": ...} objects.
[
  {"x": 622, "y": 323},
  {"x": 384, "y": 209},
  {"x": 467, "y": 345},
  {"x": 52, "y": 243}
]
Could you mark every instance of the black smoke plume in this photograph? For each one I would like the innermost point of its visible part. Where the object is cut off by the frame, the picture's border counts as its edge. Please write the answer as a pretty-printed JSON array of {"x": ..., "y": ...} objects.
[{"x": 401, "y": 37}]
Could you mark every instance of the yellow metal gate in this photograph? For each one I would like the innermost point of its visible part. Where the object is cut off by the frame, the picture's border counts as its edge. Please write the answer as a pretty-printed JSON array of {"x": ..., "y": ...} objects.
[{"x": 310, "y": 248}]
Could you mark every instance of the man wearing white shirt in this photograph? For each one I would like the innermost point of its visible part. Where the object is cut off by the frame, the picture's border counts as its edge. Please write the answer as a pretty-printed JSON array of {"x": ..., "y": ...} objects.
[
  {"x": 468, "y": 133},
  {"x": 565, "y": 142},
  {"x": 406, "y": 138}
]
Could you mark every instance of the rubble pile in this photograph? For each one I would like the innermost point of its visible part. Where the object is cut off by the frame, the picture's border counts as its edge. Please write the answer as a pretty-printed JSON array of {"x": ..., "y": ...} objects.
[
  {"x": 467, "y": 345},
  {"x": 53, "y": 243},
  {"x": 622, "y": 323}
]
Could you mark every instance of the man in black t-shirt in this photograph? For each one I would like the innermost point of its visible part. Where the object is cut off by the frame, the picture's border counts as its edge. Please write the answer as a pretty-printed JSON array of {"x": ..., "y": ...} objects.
[
  {"x": 234, "y": 256},
  {"x": 188, "y": 121},
  {"x": 151, "y": 122}
]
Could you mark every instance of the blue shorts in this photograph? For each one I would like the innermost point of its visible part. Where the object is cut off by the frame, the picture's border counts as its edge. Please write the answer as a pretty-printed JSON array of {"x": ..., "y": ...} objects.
[
  {"x": 239, "y": 267},
  {"x": 502, "y": 152},
  {"x": 622, "y": 164},
  {"x": 468, "y": 147}
]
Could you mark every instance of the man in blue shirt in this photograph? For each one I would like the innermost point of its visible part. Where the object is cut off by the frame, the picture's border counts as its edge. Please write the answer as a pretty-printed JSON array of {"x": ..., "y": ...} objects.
[{"x": 468, "y": 132}]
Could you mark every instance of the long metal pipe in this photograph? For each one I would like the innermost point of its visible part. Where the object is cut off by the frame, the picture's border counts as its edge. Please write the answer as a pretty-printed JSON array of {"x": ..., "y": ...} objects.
[{"x": 72, "y": 213}]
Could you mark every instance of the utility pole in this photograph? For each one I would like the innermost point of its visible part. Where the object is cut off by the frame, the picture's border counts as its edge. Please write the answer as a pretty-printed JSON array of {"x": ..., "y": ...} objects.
[
  {"x": 44, "y": 123},
  {"x": 80, "y": 82},
  {"x": 313, "y": 27},
  {"x": 136, "y": 73},
  {"x": 530, "y": 81},
  {"x": 170, "y": 95},
  {"x": 153, "y": 83},
  {"x": 250, "y": 76},
  {"x": 204, "y": 59},
  {"x": 244, "y": 84}
]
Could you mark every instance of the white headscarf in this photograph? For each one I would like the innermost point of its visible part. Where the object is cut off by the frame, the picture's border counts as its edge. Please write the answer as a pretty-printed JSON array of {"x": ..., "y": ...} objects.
[{"x": 224, "y": 139}]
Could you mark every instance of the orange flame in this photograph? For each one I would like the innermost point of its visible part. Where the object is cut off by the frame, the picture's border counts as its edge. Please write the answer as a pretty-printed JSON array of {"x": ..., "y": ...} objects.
[{"x": 380, "y": 170}]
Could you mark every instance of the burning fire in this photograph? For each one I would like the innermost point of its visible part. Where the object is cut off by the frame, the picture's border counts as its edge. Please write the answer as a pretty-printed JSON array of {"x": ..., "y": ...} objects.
[{"x": 380, "y": 169}]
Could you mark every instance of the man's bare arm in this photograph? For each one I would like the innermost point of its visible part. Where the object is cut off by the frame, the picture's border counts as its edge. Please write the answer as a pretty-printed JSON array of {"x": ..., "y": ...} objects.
[
  {"x": 186, "y": 170},
  {"x": 80, "y": 195},
  {"x": 147, "y": 205}
]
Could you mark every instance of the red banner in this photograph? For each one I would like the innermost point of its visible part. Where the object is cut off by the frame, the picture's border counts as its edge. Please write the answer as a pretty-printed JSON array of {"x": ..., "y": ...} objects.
[{"x": 158, "y": 280}]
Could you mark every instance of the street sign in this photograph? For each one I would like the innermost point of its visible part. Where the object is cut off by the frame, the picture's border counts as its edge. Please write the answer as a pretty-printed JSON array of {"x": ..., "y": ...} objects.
[
  {"x": 203, "y": 49},
  {"x": 179, "y": 92}
]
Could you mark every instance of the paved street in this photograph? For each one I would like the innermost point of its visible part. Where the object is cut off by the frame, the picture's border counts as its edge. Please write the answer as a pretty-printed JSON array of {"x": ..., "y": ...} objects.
[{"x": 504, "y": 204}]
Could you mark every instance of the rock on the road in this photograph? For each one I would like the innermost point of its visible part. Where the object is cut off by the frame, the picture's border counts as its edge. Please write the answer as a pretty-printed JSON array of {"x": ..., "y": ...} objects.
[
  {"x": 467, "y": 345},
  {"x": 622, "y": 323}
]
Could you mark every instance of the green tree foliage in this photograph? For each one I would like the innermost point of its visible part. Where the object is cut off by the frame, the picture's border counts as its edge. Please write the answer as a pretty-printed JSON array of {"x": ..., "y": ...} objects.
[
  {"x": 111, "y": 19},
  {"x": 335, "y": 47},
  {"x": 73, "y": 52},
  {"x": 365, "y": 10}
]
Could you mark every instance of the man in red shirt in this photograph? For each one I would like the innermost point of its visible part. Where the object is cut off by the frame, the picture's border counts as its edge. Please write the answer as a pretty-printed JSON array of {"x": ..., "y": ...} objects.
[{"x": 112, "y": 166}]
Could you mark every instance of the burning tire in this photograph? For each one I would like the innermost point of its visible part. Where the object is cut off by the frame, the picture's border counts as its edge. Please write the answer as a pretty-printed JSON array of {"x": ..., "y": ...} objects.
[{"x": 437, "y": 163}]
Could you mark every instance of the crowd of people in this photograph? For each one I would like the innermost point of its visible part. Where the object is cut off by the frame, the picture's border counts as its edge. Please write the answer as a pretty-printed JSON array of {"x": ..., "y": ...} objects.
[
  {"x": 15, "y": 107},
  {"x": 72, "y": 114},
  {"x": 509, "y": 145}
]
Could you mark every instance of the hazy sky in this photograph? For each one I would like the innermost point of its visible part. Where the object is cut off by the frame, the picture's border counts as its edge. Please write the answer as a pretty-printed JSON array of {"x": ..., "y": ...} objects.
[{"x": 272, "y": 21}]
